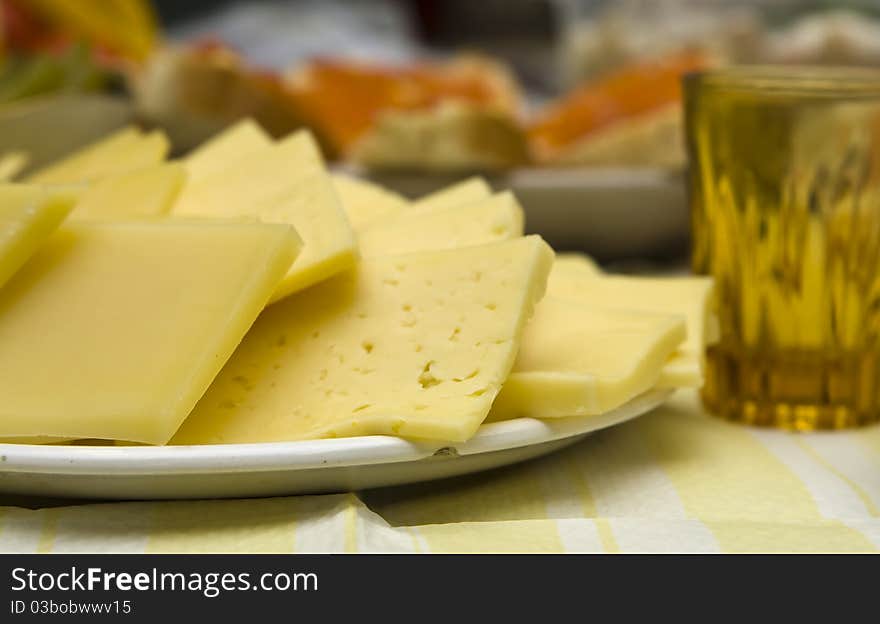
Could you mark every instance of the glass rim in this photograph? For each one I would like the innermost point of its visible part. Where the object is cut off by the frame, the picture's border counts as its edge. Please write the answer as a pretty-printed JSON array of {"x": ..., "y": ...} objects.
[{"x": 818, "y": 81}]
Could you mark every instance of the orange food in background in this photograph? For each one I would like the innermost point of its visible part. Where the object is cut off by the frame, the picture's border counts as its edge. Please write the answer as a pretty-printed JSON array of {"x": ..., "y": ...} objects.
[
  {"x": 343, "y": 98},
  {"x": 627, "y": 93},
  {"x": 198, "y": 88}
]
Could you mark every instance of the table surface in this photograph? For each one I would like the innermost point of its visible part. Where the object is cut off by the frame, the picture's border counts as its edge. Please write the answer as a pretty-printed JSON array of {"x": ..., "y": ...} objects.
[{"x": 674, "y": 480}]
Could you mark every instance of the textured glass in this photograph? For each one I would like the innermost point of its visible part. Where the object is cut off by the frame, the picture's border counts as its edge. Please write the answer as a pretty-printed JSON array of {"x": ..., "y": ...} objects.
[{"x": 785, "y": 194}]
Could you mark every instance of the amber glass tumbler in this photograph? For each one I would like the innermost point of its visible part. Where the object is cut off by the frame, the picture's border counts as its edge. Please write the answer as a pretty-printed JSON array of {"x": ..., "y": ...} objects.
[{"x": 785, "y": 205}]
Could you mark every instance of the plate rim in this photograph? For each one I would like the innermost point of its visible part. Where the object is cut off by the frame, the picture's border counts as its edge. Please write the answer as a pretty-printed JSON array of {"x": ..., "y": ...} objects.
[{"x": 306, "y": 454}]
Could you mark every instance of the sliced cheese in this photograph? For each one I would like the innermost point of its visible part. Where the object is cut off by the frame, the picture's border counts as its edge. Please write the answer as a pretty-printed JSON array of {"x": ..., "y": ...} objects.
[
  {"x": 115, "y": 329},
  {"x": 577, "y": 263},
  {"x": 414, "y": 345},
  {"x": 122, "y": 151},
  {"x": 146, "y": 192},
  {"x": 11, "y": 165},
  {"x": 686, "y": 296},
  {"x": 497, "y": 218},
  {"x": 681, "y": 370},
  {"x": 35, "y": 440},
  {"x": 283, "y": 183},
  {"x": 464, "y": 192},
  {"x": 576, "y": 360},
  {"x": 230, "y": 146},
  {"x": 28, "y": 216},
  {"x": 365, "y": 202}
]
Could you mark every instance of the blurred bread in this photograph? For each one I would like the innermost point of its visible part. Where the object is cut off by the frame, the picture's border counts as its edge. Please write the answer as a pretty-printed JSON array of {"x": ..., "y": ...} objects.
[
  {"x": 830, "y": 38},
  {"x": 653, "y": 139},
  {"x": 451, "y": 137},
  {"x": 434, "y": 114},
  {"x": 631, "y": 116},
  {"x": 193, "y": 92}
]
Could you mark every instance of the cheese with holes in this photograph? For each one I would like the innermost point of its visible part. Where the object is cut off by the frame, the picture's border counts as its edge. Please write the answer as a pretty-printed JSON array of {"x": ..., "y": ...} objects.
[
  {"x": 464, "y": 192},
  {"x": 230, "y": 146},
  {"x": 283, "y": 183},
  {"x": 28, "y": 216},
  {"x": 365, "y": 202},
  {"x": 122, "y": 151},
  {"x": 490, "y": 220},
  {"x": 576, "y": 360},
  {"x": 146, "y": 192},
  {"x": 414, "y": 345},
  {"x": 11, "y": 164},
  {"x": 686, "y": 296},
  {"x": 115, "y": 329}
]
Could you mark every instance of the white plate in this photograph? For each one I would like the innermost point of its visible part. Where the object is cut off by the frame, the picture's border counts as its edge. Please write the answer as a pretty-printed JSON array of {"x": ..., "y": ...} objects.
[
  {"x": 272, "y": 469},
  {"x": 611, "y": 213}
]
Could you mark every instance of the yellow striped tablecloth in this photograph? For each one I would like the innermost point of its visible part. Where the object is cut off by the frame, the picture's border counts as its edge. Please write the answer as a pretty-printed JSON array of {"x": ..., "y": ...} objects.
[{"x": 673, "y": 480}]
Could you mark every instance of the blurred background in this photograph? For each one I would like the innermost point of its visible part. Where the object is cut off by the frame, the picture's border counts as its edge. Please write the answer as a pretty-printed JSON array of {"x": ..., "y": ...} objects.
[{"x": 575, "y": 105}]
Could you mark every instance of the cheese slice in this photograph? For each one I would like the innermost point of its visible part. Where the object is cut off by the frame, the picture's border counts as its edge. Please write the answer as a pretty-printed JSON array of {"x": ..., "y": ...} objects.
[
  {"x": 11, "y": 164},
  {"x": 125, "y": 150},
  {"x": 413, "y": 345},
  {"x": 497, "y": 218},
  {"x": 28, "y": 216},
  {"x": 464, "y": 192},
  {"x": 230, "y": 146},
  {"x": 686, "y": 296},
  {"x": 682, "y": 370},
  {"x": 267, "y": 173},
  {"x": 576, "y": 360},
  {"x": 35, "y": 440},
  {"x": 577, "y": 263},
  {"x": 115, "y": 329},
  {"x": 146, "y": 192},
  {"x": 365, "y": 202},
  {"x": 283, "y": 183}
]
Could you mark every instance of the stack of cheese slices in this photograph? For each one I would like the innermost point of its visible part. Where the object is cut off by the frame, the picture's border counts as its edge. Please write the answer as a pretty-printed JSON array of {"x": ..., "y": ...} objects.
[{"x": 245, "y": 294}]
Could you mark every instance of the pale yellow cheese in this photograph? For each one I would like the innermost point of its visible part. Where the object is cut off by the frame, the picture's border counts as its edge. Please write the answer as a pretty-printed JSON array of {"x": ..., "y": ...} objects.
[
  {"x": 122, "y": 151},
  {"x": 35, "y": 440},
  {"x": 146, "y": 192},
  {"x": 365, "y": 202},
  {"x": 682, "y": 370},
  {"x": 11, "y": 164},
  {"x": 267, "y": 173},
  {"x": 414, "y": 345},
  {"x": 497, "y": 218},
  {"x": 28, "y": 216},
  {"x": 686, "y": 296},
  {"x": 577, "y": 263},
  {"x": 286, "y": 182},
  {"x": 464, "y": 192},
  {"x": 115, "y": 329},
  {"x": 576, "y": 360},
  {"x": 230, "y": 146}
]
